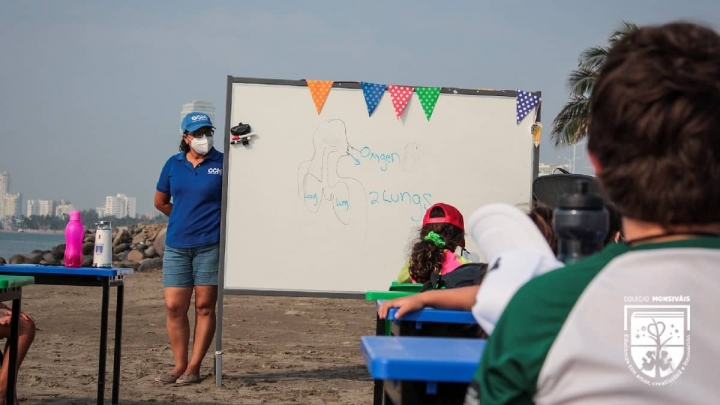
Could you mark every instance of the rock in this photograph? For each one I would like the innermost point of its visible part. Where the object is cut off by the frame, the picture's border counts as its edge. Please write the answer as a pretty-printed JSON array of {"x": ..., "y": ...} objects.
[
  {"x": 2, "y": 260},
  {"x": 115, "y": 258},
  {"x": 135, "y": 256},
  {"x": 121, "y": 248},
  {"x": 139, "y": 238},
  {"x": 123, "y": 236},
  {"x": 87, "y": 261},
  {"x": 89, "y": 238},
  {"x": 88, "y": 248},
  {"x": 17, "y": 259},
  {"x": 122, "y": 255},
  {"x": 49, "y": 258},
  {"x": 130, "y": 264},
  {"x": 58, "y": 251},
  {"x": 34, "y": 258},
  {"x": 159, "y": 242},
  {"x": 151, "y": 264},
  {"x": 150, "y": 252}
]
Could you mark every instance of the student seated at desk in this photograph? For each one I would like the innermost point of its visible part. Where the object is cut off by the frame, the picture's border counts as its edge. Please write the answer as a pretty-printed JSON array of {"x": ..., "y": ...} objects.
[
  {"x": 25, "y": 338},
  {"x": 442, "y": 231}
]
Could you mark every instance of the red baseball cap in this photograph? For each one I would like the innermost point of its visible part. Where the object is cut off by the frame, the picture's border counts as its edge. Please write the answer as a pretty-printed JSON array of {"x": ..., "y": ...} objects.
[{"x": 451, "y": 216}]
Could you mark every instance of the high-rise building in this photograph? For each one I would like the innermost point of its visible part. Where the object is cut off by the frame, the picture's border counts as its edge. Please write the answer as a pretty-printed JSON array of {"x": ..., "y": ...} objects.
[
  {"x": 199, "y": 106},
  {"x": 46, "y": 207},
  {"x": 12, "y": 205},
  {"x": 64, "y": 208},
  {"x": 32, "y": 207},
  {"x": 120, "y": 206},
  {"x": 4, "y": 183}
]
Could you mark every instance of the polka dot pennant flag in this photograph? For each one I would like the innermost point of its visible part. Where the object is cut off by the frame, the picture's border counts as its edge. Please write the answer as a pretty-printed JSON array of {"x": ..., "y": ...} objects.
[
  {"x": 400, "y": 96},
  {"x": 319, "y": 89},
  {"x": 428, "y": 98},
  {"x": 373, "y": 93},
  {"x": 524, "y": 103}
]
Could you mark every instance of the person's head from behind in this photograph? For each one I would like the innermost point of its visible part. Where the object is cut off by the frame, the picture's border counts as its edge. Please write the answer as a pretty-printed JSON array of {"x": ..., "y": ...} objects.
[
  {"x": 542, "y": 216},
  {"x": 198, "y": 131},
  {"x": 443, "y": 228},
  {"x": 654, "y": 135}
]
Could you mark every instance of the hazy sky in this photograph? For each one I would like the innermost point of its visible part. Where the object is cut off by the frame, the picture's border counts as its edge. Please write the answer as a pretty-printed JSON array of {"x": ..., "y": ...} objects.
[{"x": 91, "y": 91}]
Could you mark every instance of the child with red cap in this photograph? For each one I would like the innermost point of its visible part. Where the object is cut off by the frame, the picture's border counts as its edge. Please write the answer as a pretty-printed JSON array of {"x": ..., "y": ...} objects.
[{"x": 443, "y": 230}]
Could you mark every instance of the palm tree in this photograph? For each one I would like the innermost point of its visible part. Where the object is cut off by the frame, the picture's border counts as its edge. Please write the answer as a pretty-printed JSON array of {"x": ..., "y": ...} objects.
[{"x": 571, "y": 124}]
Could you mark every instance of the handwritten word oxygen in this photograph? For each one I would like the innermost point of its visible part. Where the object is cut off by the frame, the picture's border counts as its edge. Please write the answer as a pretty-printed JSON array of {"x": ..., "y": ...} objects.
[
  {"x": 382, "y": 159},
  {"x": 419, "y": 202}
]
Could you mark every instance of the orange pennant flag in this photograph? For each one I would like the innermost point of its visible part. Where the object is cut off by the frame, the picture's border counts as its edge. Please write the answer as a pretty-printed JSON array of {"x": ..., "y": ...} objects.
[{"x": 319, "y": 89}]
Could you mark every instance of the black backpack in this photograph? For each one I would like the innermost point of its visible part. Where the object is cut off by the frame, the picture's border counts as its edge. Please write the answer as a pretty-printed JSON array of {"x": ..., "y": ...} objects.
[{"x": 466, "y": 275}]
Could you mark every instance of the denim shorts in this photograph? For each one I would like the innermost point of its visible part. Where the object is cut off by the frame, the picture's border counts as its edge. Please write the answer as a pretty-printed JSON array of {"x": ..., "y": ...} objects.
[{"x": 188, "y": 267}]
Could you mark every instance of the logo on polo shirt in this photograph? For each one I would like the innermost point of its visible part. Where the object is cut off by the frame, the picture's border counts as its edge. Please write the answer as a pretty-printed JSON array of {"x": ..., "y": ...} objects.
[
  {"x": 214, "y": 170},
  {"x": 657, "y": 338}
]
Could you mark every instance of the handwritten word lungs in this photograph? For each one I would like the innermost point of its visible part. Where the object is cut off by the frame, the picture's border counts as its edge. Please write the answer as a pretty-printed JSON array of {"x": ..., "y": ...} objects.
[
  {"x": 525, "y": 102},
  {"x": 400, "y": 96},
  {"x": 319, "y": 89}
]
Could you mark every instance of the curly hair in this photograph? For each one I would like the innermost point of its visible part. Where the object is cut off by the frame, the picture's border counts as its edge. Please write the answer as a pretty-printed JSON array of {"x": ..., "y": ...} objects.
[{"x": 427, "y": 258}]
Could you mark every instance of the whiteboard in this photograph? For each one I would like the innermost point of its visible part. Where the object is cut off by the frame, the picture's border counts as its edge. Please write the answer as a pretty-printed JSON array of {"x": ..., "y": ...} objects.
[{"x": 329, "y": 203}]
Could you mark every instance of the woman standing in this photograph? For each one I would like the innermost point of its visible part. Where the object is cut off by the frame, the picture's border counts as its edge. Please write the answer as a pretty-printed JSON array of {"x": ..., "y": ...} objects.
[{"x": 193, "y": 180}]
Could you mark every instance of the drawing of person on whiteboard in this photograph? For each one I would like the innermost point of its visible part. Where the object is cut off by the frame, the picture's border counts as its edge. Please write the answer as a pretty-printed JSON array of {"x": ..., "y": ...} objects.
[{"x": 321, "y": 183}]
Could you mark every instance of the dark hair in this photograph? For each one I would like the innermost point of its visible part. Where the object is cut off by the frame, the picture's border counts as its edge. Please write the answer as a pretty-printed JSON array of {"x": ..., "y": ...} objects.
[
  {"x": 427, "y": 258},
  {"x": 184, "y": 147},
  {"x": 655, "y": 111},
  {"x": 542, "y": 216},
  {"x": 615, "y": 224}
]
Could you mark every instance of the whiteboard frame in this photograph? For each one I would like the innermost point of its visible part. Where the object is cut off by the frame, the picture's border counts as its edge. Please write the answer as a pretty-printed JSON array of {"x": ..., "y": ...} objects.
[{"x": 535, "y": 164}]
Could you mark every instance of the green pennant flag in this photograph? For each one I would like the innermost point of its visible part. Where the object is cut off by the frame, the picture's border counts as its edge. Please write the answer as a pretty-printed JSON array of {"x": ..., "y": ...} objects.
[{"x": 428, "y": 98}]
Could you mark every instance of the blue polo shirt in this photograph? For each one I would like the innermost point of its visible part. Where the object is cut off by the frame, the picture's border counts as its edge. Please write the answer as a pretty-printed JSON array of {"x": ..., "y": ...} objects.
[{"x": 197, "y": 199}]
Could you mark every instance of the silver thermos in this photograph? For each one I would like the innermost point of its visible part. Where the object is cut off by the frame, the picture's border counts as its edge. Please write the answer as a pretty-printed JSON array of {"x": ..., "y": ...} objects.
[{"x": 103, "y": 245}]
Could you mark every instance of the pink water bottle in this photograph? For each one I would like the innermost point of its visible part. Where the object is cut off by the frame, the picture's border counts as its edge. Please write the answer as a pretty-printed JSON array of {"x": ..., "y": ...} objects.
[{"x": 74, "y": 235}]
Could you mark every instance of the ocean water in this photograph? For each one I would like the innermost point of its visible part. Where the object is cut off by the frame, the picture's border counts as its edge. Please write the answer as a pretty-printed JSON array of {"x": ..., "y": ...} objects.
[{"x": 23, "y": 243}]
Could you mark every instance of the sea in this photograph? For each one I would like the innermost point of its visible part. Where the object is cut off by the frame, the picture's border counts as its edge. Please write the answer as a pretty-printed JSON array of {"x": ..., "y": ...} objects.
[{"x": 24, "y": 242}]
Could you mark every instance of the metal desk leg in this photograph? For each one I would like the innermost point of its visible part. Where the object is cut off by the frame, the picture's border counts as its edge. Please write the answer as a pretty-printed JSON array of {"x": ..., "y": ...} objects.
[
  {"x": 118, "y": 344},
  {"x": 12, "y": 369},
  {"x": 378, "y": 392},
  {"x": 103, "y": 340}
]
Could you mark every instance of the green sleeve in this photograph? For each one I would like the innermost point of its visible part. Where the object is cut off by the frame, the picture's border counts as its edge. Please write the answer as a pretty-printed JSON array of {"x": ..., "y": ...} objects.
[
  {"x": 516, "y": 350},
  {"x": 404, "y": 276}
]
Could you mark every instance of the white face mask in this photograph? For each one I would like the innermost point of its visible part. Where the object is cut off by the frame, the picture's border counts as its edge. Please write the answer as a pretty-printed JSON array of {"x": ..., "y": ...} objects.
[{"x": 202, "y": 145}]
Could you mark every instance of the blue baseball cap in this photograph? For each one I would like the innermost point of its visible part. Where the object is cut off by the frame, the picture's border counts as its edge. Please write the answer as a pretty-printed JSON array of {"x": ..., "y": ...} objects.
[{"x": 194, "y": 121}]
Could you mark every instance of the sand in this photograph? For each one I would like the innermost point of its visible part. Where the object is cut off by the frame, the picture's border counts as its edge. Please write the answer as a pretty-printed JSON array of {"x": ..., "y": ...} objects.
[{"x": 278, "y": 350}]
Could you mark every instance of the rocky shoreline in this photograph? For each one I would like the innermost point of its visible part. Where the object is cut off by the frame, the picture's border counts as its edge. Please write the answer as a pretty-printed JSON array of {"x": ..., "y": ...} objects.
[{"x": 139, "y": 247}]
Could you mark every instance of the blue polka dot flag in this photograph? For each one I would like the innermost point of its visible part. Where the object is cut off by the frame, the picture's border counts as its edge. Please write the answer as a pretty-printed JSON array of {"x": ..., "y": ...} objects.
[
  {"x": 525, "y": 102},
  {"x": 373, "y": 93}
]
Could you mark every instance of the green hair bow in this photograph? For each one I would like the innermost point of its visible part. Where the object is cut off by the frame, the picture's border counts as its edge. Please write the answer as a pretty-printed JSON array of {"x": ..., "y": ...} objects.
[{"x": 435, "y": 238}]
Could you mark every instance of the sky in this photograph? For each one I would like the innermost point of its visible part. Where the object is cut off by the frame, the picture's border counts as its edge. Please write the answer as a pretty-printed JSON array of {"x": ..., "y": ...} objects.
[{"x": 91, "y": 91}]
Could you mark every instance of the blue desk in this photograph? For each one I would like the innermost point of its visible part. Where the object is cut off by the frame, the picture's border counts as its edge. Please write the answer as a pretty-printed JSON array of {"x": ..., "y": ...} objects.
[
  {"x": 425, "y": 360},
  {"x": 446, "y": 323},
  {"x": 433, "y": 315},
  {"x": 87, "y": 277}
]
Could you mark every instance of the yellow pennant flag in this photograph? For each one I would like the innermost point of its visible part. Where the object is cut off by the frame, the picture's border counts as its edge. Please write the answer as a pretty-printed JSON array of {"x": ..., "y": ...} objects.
[{"x": 319, "y": 89}]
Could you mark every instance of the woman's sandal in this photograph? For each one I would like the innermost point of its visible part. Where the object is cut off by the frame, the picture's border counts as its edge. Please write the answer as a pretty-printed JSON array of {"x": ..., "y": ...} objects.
[
  {"x": 167, "y": 378},
  {"x": 188, "y": 379}
]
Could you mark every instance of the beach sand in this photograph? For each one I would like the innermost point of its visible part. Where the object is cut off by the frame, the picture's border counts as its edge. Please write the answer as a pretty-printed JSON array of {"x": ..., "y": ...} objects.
[{"x": 277, "y": 350}]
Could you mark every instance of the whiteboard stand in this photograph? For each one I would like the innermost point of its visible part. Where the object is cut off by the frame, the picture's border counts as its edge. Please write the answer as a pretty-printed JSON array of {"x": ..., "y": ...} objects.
[{"x": 325, "y": 204}]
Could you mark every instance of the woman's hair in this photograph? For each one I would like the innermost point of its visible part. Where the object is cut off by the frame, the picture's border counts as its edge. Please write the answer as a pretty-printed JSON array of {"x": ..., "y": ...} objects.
[
  {"x": 184, "y": 147},
  {"x": 426, "y": 256},
  {"x": 542, "y": 216}
]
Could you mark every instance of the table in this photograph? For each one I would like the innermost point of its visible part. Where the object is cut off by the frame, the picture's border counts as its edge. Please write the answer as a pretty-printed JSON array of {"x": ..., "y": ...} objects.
[
  {"x": 11, "y": 290},
  {"x": 411, "y": 324},
  {"x": 438, "y": 366},
  {"x": 87, "y": 277}
]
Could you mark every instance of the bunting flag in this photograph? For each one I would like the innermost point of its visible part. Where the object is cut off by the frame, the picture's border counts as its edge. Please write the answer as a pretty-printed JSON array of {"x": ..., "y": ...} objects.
[
  {"x": 373, "y": 93},
  {"x": 524, "y": 103},
  {"x": 400, "y": 96},
  {"x": 428, "y": 98},
  {"x": 319, "y": 89}
]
